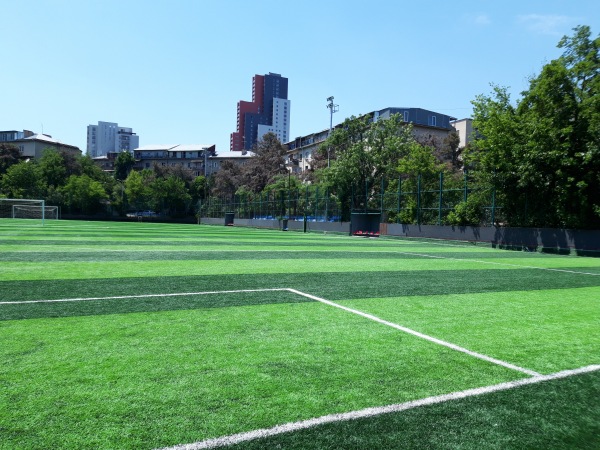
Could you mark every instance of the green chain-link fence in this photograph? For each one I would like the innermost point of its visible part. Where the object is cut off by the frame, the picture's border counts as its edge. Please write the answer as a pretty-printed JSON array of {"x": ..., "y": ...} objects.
[{"x": 424, "y": 200}]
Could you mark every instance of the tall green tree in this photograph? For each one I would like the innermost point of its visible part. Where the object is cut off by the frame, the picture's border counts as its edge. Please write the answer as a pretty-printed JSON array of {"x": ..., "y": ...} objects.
[
  {"x": 9, "y": 156},
  {"x": 363, "y": 155},
  {"x": 199, "y": 188},
  {"x": 542, "y": 155},
  {"x": 136, "y": 190},
  {"x": 52, "y": 168},
  {"x": 265, "y": 165},
  {"x": 23, "y": 180},
  {"x": 227, "y": 180},
  {"x": 84, "y": 194},
  {"x": 176, "y": 195},
  {"x": 123, "y": 165}
]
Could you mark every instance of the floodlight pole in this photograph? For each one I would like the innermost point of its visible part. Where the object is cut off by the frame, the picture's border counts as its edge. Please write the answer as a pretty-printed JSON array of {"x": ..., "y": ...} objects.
[{"x": 332, "y": 109}]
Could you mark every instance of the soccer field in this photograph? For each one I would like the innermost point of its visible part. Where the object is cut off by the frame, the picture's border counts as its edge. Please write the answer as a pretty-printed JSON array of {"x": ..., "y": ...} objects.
[{"x": 145, "y": 336}]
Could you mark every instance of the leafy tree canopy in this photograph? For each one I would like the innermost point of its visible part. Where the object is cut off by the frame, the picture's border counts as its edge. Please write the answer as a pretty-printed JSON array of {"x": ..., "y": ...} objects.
[
  {"x": 123, "y": 165},
  {"x": 9, "y": 156},
  {"x": 267, "y": 163},
  {"x": 543, "y": 154}
]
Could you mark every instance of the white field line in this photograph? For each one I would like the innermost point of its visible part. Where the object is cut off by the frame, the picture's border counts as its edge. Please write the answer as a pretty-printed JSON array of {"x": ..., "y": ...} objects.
[
  {"x": 420, "y": 335},
  {"x": 294, "y": 291},
  {"x": 178, "y": 294},
  {"x": 424, "y": 255},
  {"x": 370, "y": 412}
]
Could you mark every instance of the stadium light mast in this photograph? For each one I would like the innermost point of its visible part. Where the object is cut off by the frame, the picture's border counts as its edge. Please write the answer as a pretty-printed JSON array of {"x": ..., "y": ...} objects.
[{"x": 332, "y": 109}]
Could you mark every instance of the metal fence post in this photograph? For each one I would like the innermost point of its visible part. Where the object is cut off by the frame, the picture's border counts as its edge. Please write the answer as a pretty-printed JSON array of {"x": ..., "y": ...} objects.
[
  {"x": 306, "y": 204},
  {"x": 493, "y": 205},
  {"x": 366, "y": 194},
  {"x": 441, "y": 198},
  {"x": 316, "y": 202},
  {"x": 399, "y": 199},
  {"x": 327, "y": 204},
  {"x": 382, "y": 195},
  {"x": 419, "y": 199}
]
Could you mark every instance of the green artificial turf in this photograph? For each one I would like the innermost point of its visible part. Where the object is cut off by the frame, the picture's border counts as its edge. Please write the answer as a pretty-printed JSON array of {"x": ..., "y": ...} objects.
[
  {"x": 544, "y": 330},
  {"x": 149, "y": 379},
  {"x": 558, "y": 415},
  {"x": 145, "y": 372}
]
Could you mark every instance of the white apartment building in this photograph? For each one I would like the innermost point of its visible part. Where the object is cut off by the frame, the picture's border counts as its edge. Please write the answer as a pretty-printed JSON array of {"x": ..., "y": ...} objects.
[
  {"x": 281, "y": 121},
  {"x": 464, "y": 128},
  {"x": 109, "y": 137}
]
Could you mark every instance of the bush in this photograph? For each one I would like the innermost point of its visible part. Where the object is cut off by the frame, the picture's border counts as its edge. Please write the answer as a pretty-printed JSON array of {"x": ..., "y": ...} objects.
[{"x": 469, "y": 213}]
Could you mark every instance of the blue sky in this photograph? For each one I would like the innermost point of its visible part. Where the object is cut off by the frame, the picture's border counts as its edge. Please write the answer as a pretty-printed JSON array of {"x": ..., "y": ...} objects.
[{"x": 175, "y": 70}]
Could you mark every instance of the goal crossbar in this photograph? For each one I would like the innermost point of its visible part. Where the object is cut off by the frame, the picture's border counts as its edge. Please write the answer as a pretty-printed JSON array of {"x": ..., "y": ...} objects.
[{"x": 26, "y": 208}]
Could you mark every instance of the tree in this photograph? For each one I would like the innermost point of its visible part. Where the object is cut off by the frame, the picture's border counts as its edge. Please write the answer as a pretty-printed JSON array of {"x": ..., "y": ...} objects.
[
  {"x": 199, "y": 188},
  {"x": 9, "y": 156},
  {"x": 177, "y": 170},
  {"x": 543, "y": 155},
  {"x": 136, "y": 190},
  {"x": 123, "y": 165},
  {"x": 52, "y": 168},
  {"x": 363, "y": 155},
  {"x": 23, "y": 180},
  {"x": 267, "y": 163},
  {"x": 492, "y": 160},
  {"x": 83, "y": 194},
  {"x": 451, "y": 150},
  {"x": 227, "y": 179},
  {"x": 176, "y": 196}
]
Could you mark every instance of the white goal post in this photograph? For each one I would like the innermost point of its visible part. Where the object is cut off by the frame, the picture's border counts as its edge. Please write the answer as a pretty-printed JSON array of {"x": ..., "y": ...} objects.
[
  {"x": 34, "y": 212},
  {"x": 24, "y": 208}
]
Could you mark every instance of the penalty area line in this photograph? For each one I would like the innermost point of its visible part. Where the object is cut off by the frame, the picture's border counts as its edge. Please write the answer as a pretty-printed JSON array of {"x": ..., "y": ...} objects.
[
  {"x": 121, "y": 297},
  {"x": 376, "y": 411},
  {"x": 420, "y": 335}
]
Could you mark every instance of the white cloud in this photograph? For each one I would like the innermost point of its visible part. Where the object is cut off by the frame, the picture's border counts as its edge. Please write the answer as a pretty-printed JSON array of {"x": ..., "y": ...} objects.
[
  {"x": 482, "y": 20},
  {"x": 546, "y": 24}
]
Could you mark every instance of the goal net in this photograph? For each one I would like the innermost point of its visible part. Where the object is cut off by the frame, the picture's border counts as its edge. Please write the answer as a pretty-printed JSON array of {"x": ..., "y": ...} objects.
[
  {"x": 23, "y": 208},
  {"x": 34, "y": 212}
]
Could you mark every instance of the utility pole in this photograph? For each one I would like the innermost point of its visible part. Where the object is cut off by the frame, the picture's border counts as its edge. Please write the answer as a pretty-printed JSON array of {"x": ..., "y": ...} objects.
[{"x": 332, "y": 109}]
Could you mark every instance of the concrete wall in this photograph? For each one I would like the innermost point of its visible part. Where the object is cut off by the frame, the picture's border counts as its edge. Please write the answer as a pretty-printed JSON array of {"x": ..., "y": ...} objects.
[
  {"x": 543, "y": 239},
  {"x": 531, "y": 238}
]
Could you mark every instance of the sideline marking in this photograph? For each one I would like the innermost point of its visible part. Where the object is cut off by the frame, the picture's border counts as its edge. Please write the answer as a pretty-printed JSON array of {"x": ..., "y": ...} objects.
[
  {"x": 424, "y": 255},
  {"x": 370, "y": 412},
  {"x": 420, "y": 335}
]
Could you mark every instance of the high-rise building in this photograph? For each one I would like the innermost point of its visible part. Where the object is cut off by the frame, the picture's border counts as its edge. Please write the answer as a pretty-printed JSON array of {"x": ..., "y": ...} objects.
[
  {"x": 108, "y": 137},
  {"x": 269, "y": 111}
]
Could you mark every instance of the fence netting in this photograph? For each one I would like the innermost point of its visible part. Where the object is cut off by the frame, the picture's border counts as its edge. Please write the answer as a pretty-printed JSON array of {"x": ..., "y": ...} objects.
[{"x": 423, "y": 200}]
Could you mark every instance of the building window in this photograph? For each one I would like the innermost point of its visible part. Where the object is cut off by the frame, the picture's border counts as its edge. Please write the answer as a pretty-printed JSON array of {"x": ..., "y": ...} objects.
[
  {"x": 406, "y": 116},
  {"x": 432, "y": 121}
]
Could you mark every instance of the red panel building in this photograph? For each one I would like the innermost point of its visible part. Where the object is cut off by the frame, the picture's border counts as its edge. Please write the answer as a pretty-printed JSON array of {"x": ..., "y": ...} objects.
[{"x": 254, "y": 113}]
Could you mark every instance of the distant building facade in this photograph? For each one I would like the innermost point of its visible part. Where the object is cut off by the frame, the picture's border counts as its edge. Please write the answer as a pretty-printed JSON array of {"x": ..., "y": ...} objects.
[
  {"x": 428, "y": 126},
  {"x": 109, "y": 137},
  {"x": 239, "y": 158},
  {"x": 32, "y": 145},
  {"x": 269, "y": 111},
  {"x": 200, "y": 159},
  {"x": 193, "y": 157},
  {"x": 464, "y": 129},
  {"x": 301, "y": 149},
  {"x": 13, "y": 135}
]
